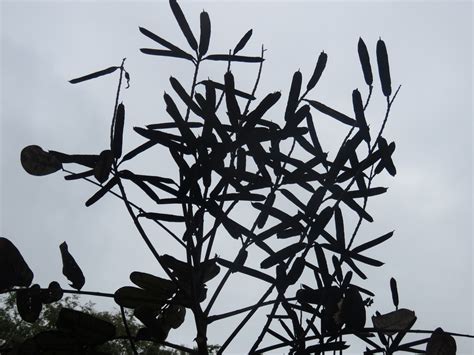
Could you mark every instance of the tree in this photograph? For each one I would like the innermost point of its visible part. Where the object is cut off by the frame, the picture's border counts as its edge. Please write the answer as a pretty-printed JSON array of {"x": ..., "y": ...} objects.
[{"x": 237, "y": 160}]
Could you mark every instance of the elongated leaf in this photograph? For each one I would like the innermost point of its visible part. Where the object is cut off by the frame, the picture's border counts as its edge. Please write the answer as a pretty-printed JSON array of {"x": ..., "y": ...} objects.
[
  {"x": 320, "y": 222},
  {"x": 384, "y": 68},
  {"x": 37, "y": 162},
  {"x": 140, "y": 149},
  {"x": 238, "y": 196},
  {"x": 94, "y": 75},
  {"x": 246, "y": 270},
  {"x": 233, "y": 58},
  {"x": 162, "y": 217},
  {"x": 243, "y": 41},
  {"x": 318, "y": 71},
  {"x": 372, "y": 243},
  {"x": 359, "y": 114},
  {"x": 293, "y": 96},
  {"x": 365, "y": 61},
  {"x": 332, "y": 113},
  {"x": 28, "y": 303},
  {"x": 133, "y": 297},
  {"x": 374, "y": 191},
  {"x": 290, "y": 196},
  {"x": 323, "y": 266},
  {"x": 321, "y": 348},
  {"x": 99, "y": 194},
  {"x": 166, "y": 53},
  {"x": 296, "y": 270},
  {"x": 117, "y": 139},
  {"x": 339, "y": 226},
  {"x": 282, "y": 255},
  {"x": 166, "y": 44},
  {"x": 205, "y": 33},
  {"x": 223, "y": 87},
  {"x": 337, "y": 268},
  {"x": 70, "y": 268},
  {"x": 183, "y": 24},
  {"x": 79, "y": 175},
  {"x": 313, "y": 134},
  {"x": 185, "y": 97},
  {"x": 186, "y": 132},
  {"x": 393, "y": 288},
  {"x": 14, "y": 271},
  {"x": 158, "y": 286},
  {"x": 339, "y": 194}
]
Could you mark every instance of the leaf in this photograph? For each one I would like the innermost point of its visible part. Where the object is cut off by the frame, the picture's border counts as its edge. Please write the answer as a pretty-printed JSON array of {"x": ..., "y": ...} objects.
[
  {"x": 441, "y": 343},
  {"x": 365, "y": 62},
  {"x": 103, "y": 166},
  {"x": 374, "y": 191},
  {"x": 28, "y": 303},
  {"x": 37, "y": 162},
  {"x": 282, "y": 254},
  {"x": 291, "y": 197},
  {"x": 178, "y": 51},
  {"x": 296, "y": 270},
  {"x": 160, "y": 126},
  {"x": 386, "y": 151},
  {"x": 166, "y": 53},
  {"x": 71, "y": 269},
  {"x": 313, "y": 135},
  {"x": 223, "y": 87},
  {"x": 332, "y": 113},
  {"x": 89, "y": 329},
  {"x": 185, "y": 97},
  {"x": 395, "y": 321},
  {"x": 13, "y": 269},
  {"x": 384, "y": 68},
  {"x": 173, "y": 111},
  {"x": 79, "y": 175},
  {"x": 205, "y": 33},
  {"x": 233, "y": 58},
  {"x": 53, "y": 293},
  {"x": 359, "y": 114},
  {"x": 104, "y": 189},
  {"x": 94, "y": 75},
  {"x": 163, "y": 217},
  {"x": 318, "y": 71},
  {"x": 243, "y": 41},
  {"x": 157, "y": 286},
  {"x": 393, "y": 288},
  {"x": 323, "y": 266},
  {"x": 353, "y": 310},
  {"x": 320, "y": 222},
  {"x": 173, "y": 316},
  {"x": 339, "y": 226},
  {"x": 321, "y": 348},
  {"x": 183, "y": 24},
  {"x": 246, "y": 270},
  {"x": 373, "y": 242},
  {"x": 133, "y": 297},
  {"x": 264, "y": 211},
  {"x": 117, "y": 138},
  {"x": 293, "y": 96},
  {"x": 337, "y": 268}
]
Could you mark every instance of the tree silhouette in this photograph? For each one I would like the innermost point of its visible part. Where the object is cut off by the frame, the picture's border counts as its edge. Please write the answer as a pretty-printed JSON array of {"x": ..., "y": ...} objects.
[{"x": 230, "y": 151}]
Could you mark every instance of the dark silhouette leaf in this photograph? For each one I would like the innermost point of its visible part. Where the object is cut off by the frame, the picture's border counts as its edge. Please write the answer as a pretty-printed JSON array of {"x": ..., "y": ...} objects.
[
  {"x": 313, "y": 135},
  {"x": 323, "y": 266},
  {"x": 441, "y": 343},
  {"x": 365, "y": 61},
  {"x": 234, "y": 58},
  {"x": 157, "y": 286},
  {"x": 337, "y": 268},
  {"x": 353, "y": 310},
  {"x": 223, "y": 87},
  {"x": 133, "y": 297},
  {"x": 89, "y": 160},
  {"x": 162, "y": 217},
  {"x": 173, "y": 111},
  {"x": 392, "y": 322},
  {"x": 340, "y": 235},
  {"x": 160, "y": 126},
  {"x": 53, "y": 293},
  {"x": 393, "y": 288},
  {"x": 13, "y": 269},
  {"x": 117, "y": 140},
  {"x": 183, "y": 24},
  {"x": 296, "y": 270},
  {"x": 28, "y": 303},
  {"x": 185, "y": 97},
  {"x": 205, "y": 33},
  {"x": 318, "y": 71},
  {"x": 386, "y": 162},
  {"x": 173, "y": 316},
  {"x": 243, "y": 41},
  {"x": 246, "y": 270},
  {"x": 339, "y": 194},
  {"x": 37, "y": 162},
  {"x": 70, "y": 268},
  {"x": 79, "y": 175},
  {"x": 104, "y": 189},
  {"x": 374, "y": 191},
  {"x": 293, "y": 96},
  {"x": 372, "y": 243},
  {"x": 282, "y": 255},
  {"x": 290, "y": 196},
  {"x": 94, "y": 75},
  {"x": 332, "y": 113},
  {"x": 166, "y": 53},
  {"x": 103, "y": 166},
  {"x": 88, "y": 328},
  {"x": 179, "y": 52},
  {"x": 359, "y": 114},
  {"x": 384, "y": 68},
  {"x": 315, "y": 201},
  {"x": 321, "y": 348}
]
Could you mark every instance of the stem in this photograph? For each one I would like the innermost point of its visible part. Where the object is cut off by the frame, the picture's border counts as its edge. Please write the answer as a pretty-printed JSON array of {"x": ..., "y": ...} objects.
[{"x": 127, "y": 330}]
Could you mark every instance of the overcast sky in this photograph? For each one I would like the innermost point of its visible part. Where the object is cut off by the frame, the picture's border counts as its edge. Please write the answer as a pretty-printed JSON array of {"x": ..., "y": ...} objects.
[{"x": 428, "y": 204}]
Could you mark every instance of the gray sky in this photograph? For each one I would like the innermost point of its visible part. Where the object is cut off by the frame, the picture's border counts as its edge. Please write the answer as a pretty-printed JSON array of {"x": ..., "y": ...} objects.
[{"x": 429, "y": 202}]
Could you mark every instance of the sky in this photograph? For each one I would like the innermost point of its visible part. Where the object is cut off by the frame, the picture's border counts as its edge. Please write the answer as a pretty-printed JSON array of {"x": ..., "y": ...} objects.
[{"x": 429, "y": 202}]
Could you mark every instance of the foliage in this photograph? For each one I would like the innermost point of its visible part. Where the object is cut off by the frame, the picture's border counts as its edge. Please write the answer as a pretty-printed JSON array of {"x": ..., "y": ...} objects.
[{"x": 302, "y": 196}]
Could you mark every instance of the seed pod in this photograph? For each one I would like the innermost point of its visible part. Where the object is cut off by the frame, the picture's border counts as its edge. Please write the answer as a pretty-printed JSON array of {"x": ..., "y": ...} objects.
[
  {"x": 320, "y": 65},
  {"x": 365, "y": 61},
  {"x": 384, "y": 69}
]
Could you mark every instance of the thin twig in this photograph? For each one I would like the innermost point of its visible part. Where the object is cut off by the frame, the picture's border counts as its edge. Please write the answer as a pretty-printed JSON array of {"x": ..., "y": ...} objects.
[{"x": 127, "y": 330}]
